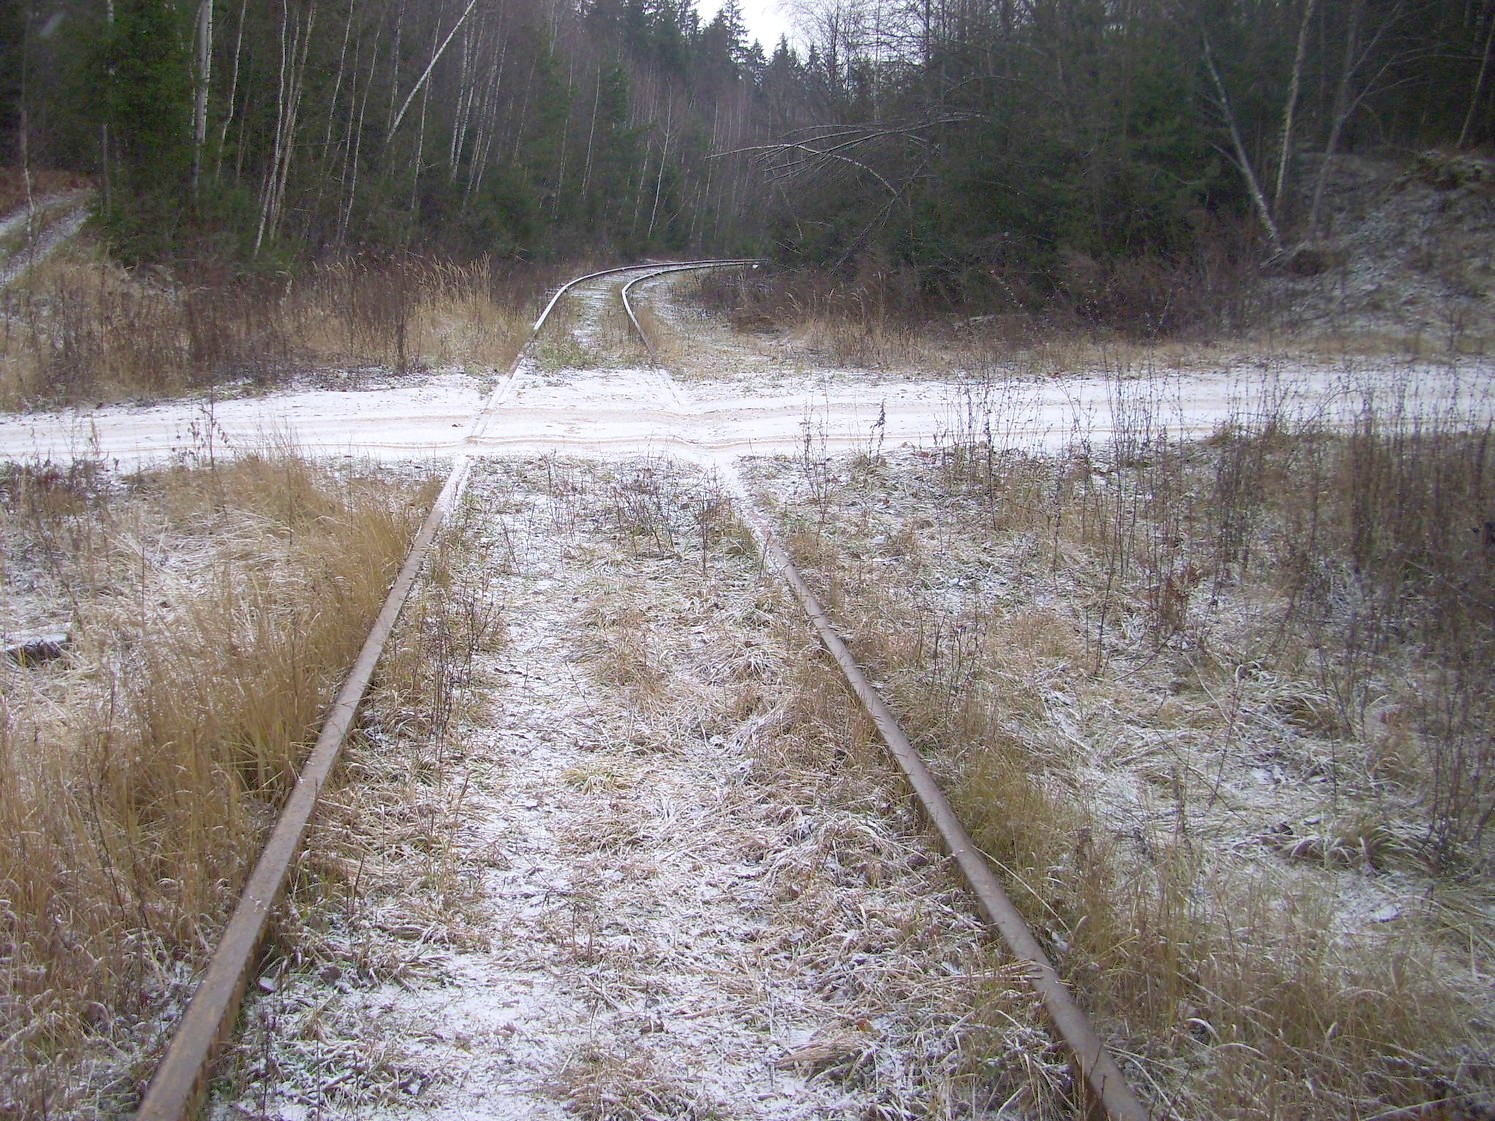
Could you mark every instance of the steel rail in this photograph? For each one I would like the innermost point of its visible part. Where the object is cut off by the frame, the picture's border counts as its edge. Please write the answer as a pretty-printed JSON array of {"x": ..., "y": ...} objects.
[
  {"x": 570, "y": 284},
  {"x": 628, "y": 306},
  {"x": 506, "y": 384},
  {"x": 1104, "y": 1084},
  {"x": 1102, "y": 1078},
  {"x": 660, "y": 270},
  {"x": 177, "y": 1088}
]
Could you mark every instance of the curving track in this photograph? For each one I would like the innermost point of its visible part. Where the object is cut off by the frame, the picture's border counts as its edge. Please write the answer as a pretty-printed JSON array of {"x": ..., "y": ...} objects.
[
  {"x": 43, "y": 228},
  {"x": 1106, "y": 1086},
  {"x": 176, "y": 1090}
]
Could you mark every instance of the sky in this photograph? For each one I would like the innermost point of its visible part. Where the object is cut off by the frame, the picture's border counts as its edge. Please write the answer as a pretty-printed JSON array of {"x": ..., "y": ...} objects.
[{"x": 766, "y": 20}]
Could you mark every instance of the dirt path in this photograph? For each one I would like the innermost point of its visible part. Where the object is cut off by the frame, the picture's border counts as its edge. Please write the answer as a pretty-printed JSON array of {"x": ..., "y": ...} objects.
[
  {"x": 623, "y": 411},
  {"x": 61, "y": 216}
]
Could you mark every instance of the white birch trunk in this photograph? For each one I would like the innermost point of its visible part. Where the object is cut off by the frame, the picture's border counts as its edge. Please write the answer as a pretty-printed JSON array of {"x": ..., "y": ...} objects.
[
  {"x": 200, "y": 92},
  {"x": 1242, "y": 159},
  {"x": 1289, "y": 110},
  {"x": 426, "y": 74}
]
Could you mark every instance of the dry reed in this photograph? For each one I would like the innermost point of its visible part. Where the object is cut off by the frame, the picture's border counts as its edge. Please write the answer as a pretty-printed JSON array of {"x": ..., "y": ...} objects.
[
  {"x": 80, "y": 328},
  {"x": 211, "y": 613},
  {"x": 1212, "y": 710}
]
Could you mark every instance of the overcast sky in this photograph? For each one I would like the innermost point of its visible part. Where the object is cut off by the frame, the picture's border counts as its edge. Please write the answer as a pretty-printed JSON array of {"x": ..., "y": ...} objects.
[{"x": 765, "y": 20}]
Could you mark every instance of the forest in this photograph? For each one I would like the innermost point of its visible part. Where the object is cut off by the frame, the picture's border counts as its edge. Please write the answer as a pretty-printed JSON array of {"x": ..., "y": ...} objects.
[{"x": 980, "y": 153}]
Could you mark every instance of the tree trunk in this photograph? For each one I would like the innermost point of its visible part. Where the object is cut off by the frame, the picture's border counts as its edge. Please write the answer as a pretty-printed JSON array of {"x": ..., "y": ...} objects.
[
  {"x": 1343, "y": 106},
  {"x": 233, "y": 92},
  {"x": 487, "y": 125},
  {"x": 467, "y": 87},
  {"x": 357, "y": 144},
  {"x": 267, "y": 194},
  {"x": 421, "y": 81},
  {"x": 586, "y": 175},
  {"x": 1289, "y": 110},
  {"x": 200, "y": 94},
  {"x": 420, "y": 138},
  {"x": 1479, "y": 82},
  {"x": 1242, "y": 159},
  {"x": 659, "y": 179},
  {"x": 560, "y": 170},
  {"x": 294, "y": 39},
  {"x": 104, "y": 127}
]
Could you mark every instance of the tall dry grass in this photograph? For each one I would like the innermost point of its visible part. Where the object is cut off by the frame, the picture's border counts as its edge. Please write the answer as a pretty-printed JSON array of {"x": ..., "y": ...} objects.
[
  {"x": 872, "y": 320},
  {"x": 80, "y": 328},
  {"x": 1110, "y": 650},
  {"x": 212, "y": 613}
]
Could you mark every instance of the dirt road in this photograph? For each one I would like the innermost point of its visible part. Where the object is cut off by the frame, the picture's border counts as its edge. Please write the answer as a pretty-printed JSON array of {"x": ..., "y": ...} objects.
[{"x": 624, "y": 411}]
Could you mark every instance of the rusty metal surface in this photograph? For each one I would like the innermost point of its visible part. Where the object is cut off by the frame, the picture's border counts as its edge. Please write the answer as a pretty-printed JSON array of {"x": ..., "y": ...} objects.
[
  {"x": 1105, "y": 1085},
  {"x": 176, "y": 1090}
]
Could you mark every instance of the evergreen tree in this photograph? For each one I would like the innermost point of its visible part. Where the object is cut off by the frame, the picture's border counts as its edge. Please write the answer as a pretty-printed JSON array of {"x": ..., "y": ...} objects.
[{"x": 146, "y": 74}]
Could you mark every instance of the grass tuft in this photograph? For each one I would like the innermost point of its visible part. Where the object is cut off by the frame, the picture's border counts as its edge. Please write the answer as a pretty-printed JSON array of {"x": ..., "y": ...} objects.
[
  {"x": 1211, "y": 709},
  {"x": 211, "y": 614}
]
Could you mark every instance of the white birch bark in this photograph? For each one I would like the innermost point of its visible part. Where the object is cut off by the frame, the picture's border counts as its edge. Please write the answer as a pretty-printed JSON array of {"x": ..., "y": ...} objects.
[
  {"x": 1242, "y": 159},
  {"x": 200, "y": 91},
  {"x": 426, "y": 74}
]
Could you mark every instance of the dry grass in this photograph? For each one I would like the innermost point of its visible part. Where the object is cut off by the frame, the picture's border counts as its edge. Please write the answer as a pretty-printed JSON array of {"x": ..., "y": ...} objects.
[
  {"x": 407, "y": 314},
  {"x": 1213, "y": 710},
  {"x": 598, "y": 1085},
  {"x": 752, "y": 808},
  {"x": 654, "y": 330},
  {"x": 810, "y": 323},
  {"x": 589, "y": 330},
  {"x": 871, "y": 321},
  {"x": 847, "y": 324},
  {"x": 211, "y": 613},
  {"x": 80, "y": 328},
  {"x": 383, "y": 891},
  {"x": 730, "y": 661}
]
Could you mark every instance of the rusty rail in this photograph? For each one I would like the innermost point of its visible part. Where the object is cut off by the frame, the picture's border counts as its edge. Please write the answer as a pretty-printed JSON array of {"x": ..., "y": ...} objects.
[
  {"x": 177, "y": 1089},
  {"x": 665, "y": 271},
  {"x": 506, "y": 384},
  {"x": 1104, "y": 1085}
]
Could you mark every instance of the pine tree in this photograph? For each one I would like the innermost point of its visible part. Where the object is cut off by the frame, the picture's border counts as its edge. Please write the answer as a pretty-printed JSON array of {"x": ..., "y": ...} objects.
[{"x": 147, "y": 76}]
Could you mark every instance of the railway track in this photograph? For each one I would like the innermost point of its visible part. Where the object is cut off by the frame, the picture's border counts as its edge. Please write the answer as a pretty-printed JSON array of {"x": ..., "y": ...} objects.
[{"x": 179, "y": 1084}]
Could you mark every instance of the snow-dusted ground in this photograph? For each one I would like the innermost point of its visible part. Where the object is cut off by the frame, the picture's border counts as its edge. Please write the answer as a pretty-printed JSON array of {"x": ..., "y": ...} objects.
[
  {"x": 661, "y": 914},
  {"x": 58, "y": 217},
  {"x": 672, "y": 904},
  {"x": 624, "y": 411},
  {"x": 678, "y": 896},
  {"x": 425, "y": 417},
  {"x": 761, "y": 403}
]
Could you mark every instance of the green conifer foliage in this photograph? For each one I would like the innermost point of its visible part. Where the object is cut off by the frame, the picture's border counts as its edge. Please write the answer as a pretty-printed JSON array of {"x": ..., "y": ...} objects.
[{"x": 148, "y": 84}]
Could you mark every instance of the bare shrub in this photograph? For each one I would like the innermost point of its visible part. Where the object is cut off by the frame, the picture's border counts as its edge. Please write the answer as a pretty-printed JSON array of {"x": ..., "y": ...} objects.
[{"x": 80, "y": 329}]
